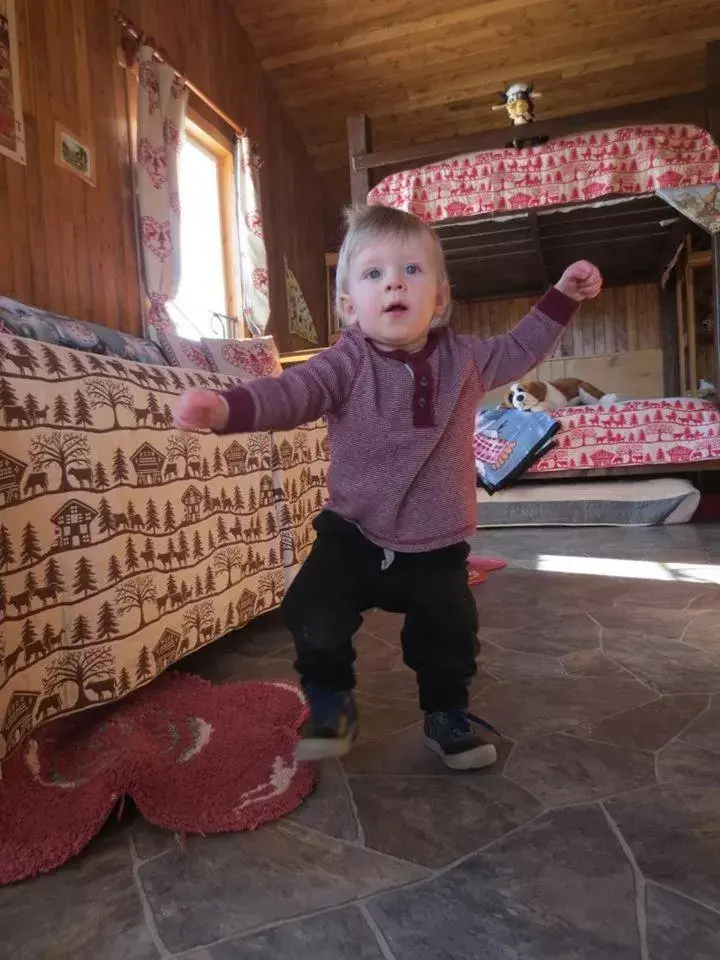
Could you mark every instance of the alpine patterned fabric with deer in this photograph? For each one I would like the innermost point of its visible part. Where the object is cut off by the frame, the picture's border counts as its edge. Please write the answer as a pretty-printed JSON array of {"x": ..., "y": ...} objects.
[{"x": 125, "y": 544}]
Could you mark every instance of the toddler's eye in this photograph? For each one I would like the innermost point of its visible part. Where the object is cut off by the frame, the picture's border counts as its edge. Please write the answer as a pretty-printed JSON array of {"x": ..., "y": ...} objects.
[
  {"x": 373, "y": 274},
  {"x": 412, "y": 269}
]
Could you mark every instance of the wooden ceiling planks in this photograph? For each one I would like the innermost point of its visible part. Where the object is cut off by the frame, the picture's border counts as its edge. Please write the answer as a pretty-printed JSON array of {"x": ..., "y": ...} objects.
[{"x": 423, "y": 70}]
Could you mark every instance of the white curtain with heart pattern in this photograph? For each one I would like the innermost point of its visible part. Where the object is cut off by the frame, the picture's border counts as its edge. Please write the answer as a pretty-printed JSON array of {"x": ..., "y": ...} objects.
[
  {"x": 253, "y": 255},
  {"x": 162, "y": 99}
]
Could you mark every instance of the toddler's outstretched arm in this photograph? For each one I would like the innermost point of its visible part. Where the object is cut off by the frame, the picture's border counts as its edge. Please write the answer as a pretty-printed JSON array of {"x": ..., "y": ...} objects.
[
  {"x": 508, "y": 357},
  {"x": 299, "y": 395}
]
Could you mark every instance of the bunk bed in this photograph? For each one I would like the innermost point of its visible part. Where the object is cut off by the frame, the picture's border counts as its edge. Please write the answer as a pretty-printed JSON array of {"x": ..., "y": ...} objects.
[{"x": 622, "y": 186}]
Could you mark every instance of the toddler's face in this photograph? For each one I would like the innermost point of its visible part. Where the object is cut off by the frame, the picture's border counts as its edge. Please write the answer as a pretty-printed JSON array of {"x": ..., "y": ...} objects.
[{"x": 394, "y": 292}]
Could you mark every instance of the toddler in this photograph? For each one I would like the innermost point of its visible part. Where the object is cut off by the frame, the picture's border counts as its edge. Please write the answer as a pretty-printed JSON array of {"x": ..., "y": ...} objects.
[{"x": 399, "y": 391}]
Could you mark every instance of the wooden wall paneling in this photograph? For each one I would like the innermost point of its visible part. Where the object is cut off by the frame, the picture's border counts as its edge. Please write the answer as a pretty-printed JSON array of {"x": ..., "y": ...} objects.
[
  {"x": 637, "y": 374},
  {"x": 585, "y": 325},
  {"x": 668, "y": 336},
  {"x": 69, "y": 230},
  {"x": 15, "y": 241},
  {"x": 619, "y": 320},
  {"x": 622, "y": 319},
  {"x": 127, "y": 272},
  {"x": 113, "y": 294},
  {"x": 44, "y": 177},
  {"x": 26, "y": 210},
  {"x": 77, "y": 104},
  {"x": 102, "y": 219},
  {"x": 70, "y": 247},
  {"x": 565, "y": 344},
  {"x": 681, "y": 331},
  {"x": 8, "y": 251},
  {"x": 610, "y": 333},
  {"x": 691, "y": 330},
  {"x": 77, "y": 15}
]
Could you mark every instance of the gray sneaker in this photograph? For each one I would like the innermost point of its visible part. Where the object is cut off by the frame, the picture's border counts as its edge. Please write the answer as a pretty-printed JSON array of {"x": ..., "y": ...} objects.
[
  {"x": 454, "y": 736},
  {"x": 332, "y": 727}
]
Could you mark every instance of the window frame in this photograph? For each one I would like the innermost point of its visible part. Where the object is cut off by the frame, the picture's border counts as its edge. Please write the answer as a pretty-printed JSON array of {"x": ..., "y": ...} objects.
[{"x": 215, "y": 143}]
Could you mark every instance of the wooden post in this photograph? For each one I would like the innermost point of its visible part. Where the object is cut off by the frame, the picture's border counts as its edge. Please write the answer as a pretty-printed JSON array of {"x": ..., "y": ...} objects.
[
  {"x": 359, "y": 143},
  {"x": 712, "y": 89},
  {"x": 681, "y": 335},
  {"x": 716, "y": 308},
  {"x": 690, "y": 320},
  {"x": 669, "y": 341}
]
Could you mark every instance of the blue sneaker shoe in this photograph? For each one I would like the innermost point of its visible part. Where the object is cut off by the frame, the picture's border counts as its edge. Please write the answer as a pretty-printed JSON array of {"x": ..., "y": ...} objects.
[
  {"x": 332, "y": 727},
  {"x": 453, "y": 735}
]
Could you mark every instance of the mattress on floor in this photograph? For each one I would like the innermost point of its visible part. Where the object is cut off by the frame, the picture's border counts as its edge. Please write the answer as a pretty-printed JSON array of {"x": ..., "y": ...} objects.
[{"x": 614, "y": 503}]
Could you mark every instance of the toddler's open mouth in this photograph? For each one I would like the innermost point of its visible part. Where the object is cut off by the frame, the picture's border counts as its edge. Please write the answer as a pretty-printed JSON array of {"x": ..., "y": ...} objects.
[{"x": 396, "y": 308}]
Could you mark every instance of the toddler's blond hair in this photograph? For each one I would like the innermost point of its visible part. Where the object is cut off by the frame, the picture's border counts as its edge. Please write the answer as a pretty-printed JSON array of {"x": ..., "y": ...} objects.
[{"x": 366, "y": 223}]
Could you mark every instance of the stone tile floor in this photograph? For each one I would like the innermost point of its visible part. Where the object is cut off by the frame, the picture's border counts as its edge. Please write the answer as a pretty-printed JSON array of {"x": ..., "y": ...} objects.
[{"x": 596, "y": 836}]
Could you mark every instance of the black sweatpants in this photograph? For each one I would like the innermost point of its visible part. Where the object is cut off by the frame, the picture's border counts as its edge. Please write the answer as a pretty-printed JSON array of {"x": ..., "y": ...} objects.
[{"x": 343, "y": 576}]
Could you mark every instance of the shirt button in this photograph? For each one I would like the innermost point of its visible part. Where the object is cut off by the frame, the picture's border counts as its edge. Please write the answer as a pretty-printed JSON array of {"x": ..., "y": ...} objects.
[
  {"x": 422, "y": 402},
  {"x": 423, "y": 381}
]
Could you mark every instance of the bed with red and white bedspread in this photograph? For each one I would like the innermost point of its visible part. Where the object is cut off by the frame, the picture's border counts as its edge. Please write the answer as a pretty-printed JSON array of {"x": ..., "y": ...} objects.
[{"x": 667, "y": 433}]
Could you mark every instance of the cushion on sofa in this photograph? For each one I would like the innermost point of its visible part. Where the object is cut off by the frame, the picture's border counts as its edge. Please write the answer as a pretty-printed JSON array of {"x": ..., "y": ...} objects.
[
  {"x": 182, "y": 352},
  {"x": 245, "y": 359},
  {"x": 48, "y": 327}
]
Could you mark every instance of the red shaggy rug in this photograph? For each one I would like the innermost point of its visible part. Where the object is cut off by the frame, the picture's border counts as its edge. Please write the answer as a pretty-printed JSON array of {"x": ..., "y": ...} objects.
[{"x": 195, "y": 758}]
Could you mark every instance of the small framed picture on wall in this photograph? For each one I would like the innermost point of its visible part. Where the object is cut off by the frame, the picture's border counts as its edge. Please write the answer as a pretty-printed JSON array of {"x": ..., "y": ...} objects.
[{"x": 74, "y": 154}]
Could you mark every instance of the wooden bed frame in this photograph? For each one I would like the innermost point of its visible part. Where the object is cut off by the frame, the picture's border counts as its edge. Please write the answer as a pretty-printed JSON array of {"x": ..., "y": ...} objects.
[{"x": 701, "y": 108}]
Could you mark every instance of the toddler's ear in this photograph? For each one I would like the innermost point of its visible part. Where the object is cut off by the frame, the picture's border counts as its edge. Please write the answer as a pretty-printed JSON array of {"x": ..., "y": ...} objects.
[
  {"x": 347, "y": 309},
  {"x": 442, "y": 301}
]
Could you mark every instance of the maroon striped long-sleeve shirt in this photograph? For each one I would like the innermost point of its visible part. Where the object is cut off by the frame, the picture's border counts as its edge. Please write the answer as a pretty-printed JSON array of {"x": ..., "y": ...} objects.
[{"x": 400, "y": 425}]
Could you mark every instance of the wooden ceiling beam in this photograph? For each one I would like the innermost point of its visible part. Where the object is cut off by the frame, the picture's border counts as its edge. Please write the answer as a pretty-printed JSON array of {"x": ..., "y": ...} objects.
[
  {"x": 452, "y": 92},
  {"x": 409, "y": 129},
  {"x": 682, "y": 108},
  {"x": 278, "y": 35},
  {"x": 712, "y": 84},
  {"x": 498, "y": 34},
  {"x": 398, "y": 32},
  {"x": 489, "y": 249},
  {"x": 399, "y": 100},
  {"x": 492, "y": 257},
  {"x": 426, "y": 126},
  {"x": 608, "y": 232},
  {"x": 463, "y": 240},
  {"x": 359, "y": 141},
  {"x": 603, "y": 242},
  {"x": 450, "y": 71},
  {"x": 631, "y": 208}
]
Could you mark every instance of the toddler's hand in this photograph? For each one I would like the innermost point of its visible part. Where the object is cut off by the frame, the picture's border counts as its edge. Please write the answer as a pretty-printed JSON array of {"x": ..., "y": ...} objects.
[
  {"x": 201, "y": 410},
  {"x": 581, "y": 281}
]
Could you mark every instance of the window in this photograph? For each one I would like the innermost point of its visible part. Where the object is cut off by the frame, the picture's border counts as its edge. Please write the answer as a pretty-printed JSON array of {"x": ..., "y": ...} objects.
[{"x": 206, "y": 300}]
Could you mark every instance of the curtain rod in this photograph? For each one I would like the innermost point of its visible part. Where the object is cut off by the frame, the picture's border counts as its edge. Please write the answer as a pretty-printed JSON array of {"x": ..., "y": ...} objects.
[{"x": 160, "y": 54}]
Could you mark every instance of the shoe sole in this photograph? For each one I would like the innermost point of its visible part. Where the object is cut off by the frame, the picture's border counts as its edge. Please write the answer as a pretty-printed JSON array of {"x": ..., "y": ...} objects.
[
  {"x": 324, "y": 748},
  {"x": 484, "y": 756}
]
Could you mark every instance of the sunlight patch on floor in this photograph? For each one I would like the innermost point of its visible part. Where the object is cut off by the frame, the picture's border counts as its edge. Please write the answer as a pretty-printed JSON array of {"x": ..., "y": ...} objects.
[{"x": 630, "y": 569}]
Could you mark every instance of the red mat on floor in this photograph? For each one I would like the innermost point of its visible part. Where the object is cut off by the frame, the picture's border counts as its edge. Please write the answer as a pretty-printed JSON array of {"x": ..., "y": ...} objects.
[
  {"x": 195, "y": 758},
  {"x": 480, "y": 567}
]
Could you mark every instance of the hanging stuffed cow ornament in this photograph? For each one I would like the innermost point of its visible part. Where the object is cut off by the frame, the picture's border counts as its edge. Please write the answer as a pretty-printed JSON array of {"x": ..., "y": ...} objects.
[{"x": 518, "y": 101}]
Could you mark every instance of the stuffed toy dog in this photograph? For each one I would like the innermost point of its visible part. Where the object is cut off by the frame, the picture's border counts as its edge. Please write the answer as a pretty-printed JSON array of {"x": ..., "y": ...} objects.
[{"x": 545, "y": 395}]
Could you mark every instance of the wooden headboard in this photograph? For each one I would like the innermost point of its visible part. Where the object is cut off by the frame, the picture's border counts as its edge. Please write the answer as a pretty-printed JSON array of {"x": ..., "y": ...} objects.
[{"x": 636, "y": 373}]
